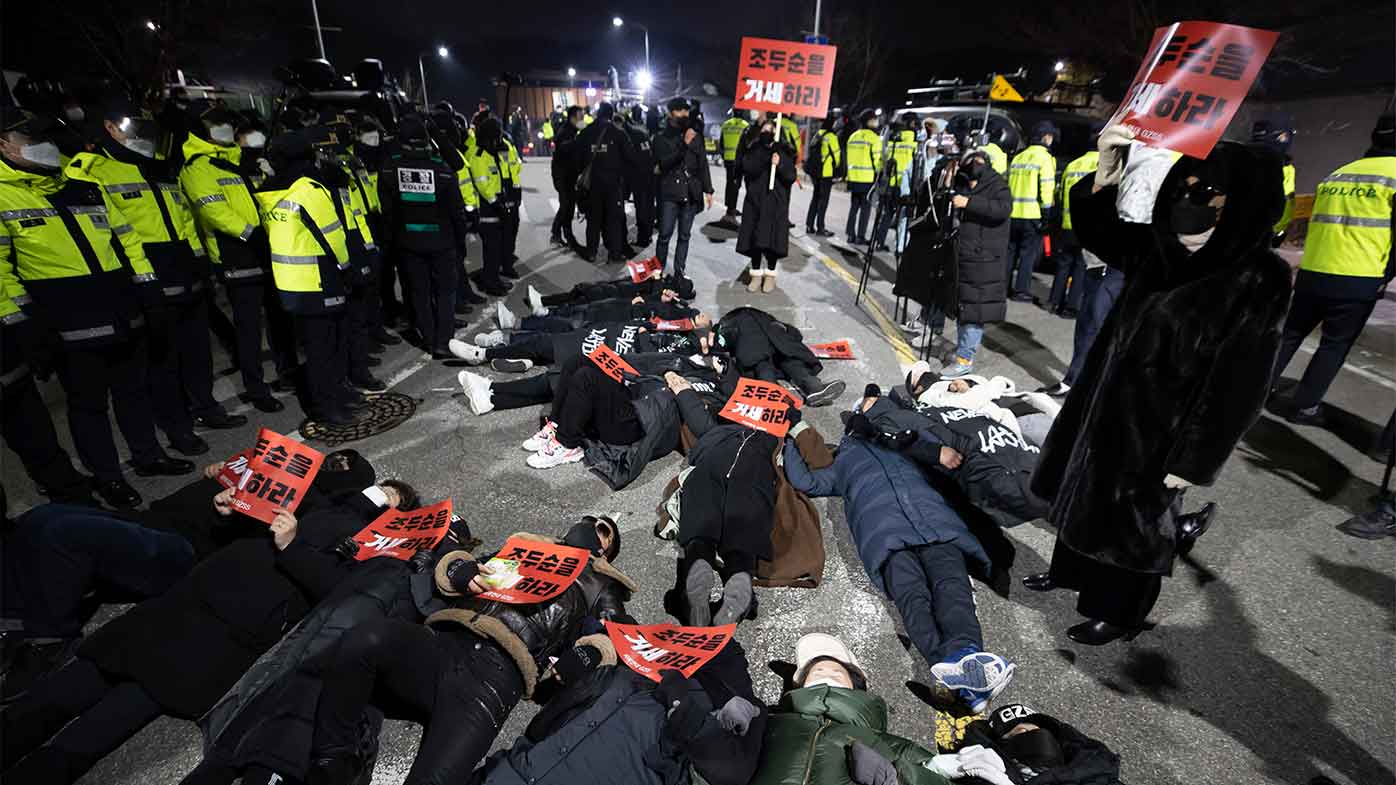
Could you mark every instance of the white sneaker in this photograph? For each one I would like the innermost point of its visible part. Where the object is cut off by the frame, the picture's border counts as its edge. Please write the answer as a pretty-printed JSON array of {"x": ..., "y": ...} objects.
[
  {"x": 491, "y": 339},
  {"x": 477, "y": 392},
  {"x": 468, "y": 352},
  {"x": 535, "y": 301},
  {"x": 505, "y": 317},
  {"x": 554, "y": 454},
  {"x": 541, "y": 439}
]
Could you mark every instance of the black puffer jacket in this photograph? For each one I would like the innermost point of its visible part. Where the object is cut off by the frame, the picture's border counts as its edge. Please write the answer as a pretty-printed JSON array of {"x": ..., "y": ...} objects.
[
  {"x": 683, "y": 168},
  {"x": 982, "y": 249},
  {"x": 1086, "y": 760},
  {"x": 753, "y": 337},
  {"x": 531, "y": 634}
]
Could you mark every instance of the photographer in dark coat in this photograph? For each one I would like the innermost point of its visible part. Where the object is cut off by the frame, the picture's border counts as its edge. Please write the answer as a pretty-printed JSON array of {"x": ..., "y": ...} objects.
[
  {"x": 1176, "y": 376},
  {"x": 984, "y": 203}
]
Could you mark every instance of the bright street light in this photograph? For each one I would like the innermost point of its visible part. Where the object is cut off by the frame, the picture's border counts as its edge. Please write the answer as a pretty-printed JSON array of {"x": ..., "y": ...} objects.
[
  {"x": 1060, "y": 66},
  {"x": 441, "y": 51},
  {"x": 617, "y": 21},
  {"x": 149, "y": 25},
  {"x": 571, "y": 72},
  {"x": 644, "y": 80}
]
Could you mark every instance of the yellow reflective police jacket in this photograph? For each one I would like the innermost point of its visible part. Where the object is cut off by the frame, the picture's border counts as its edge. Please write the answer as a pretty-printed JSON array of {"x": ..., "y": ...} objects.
[
  {"x": 1032, "y": 179},
  {"x": 863, "y": 152},
  {"x": 1350, "y": 229},
  {"x": 1072, "y": 175},
  {"x": 225, "y": 211},
  {"x": 309, "y": 252},
  {"x": 732, "y": 130}
]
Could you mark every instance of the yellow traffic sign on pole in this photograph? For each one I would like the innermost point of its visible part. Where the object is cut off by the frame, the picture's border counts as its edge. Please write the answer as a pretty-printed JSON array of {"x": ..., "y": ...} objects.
[{"x": 1001, "y": 90}]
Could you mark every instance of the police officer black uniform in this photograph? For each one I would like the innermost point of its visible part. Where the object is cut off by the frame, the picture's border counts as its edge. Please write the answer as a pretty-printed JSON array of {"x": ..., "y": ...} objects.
[
  {"x": 640, "y": 179},
  {"x": 564, "y": 171},
  {"x": 424, "y": 225},
  {"x": 606, "y": 148}
]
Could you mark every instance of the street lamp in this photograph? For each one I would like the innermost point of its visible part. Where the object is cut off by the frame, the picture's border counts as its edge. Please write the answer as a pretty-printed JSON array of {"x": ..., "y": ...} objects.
[
  {"x": 618, "y": 22},
  {"x": 1060, "y": 66},
  {"x": 441, "y": 52},
  {"x": 571, "y": 72},
  {"x": 150, "y": 25},
  {"x": 644, "y": 80}
]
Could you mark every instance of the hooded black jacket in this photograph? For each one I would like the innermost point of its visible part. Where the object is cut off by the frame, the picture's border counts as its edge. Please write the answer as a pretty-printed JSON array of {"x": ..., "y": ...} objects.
[{"x": 982, "y": 249}]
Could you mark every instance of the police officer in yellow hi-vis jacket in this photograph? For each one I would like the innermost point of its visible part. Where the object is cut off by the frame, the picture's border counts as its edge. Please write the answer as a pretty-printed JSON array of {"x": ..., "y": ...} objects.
[
  {"x": 1032, "y": 179},
  {"x": 227, "y": 218},
  {"x": 69, "y": 266},
  {"x": 733, "y": 130},
  {"x": 310, "y": 264},
  {"x": 864, "y": 154},
  {"x": 825, "y": 155},
  {"x": 145, "y": 194},
  {"x": 1348, "y": 261}
]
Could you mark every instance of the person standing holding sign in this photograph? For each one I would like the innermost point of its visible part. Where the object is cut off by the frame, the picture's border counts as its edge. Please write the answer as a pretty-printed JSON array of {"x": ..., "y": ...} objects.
[{"x": 765, "y": 231}]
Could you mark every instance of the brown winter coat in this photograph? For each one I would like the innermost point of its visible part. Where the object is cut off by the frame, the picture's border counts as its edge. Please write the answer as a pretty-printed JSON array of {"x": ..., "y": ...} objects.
[{"x": 797, "y": 543}]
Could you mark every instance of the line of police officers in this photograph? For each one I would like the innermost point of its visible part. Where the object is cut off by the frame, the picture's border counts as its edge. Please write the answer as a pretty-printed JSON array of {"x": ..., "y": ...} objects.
[{"x": 108, "y": 250}]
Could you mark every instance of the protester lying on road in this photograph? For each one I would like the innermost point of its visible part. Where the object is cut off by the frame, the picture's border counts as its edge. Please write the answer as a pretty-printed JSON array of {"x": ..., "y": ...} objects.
[
  {"x": 829, "y": 730},
  {"x": 178, "y": 653},
  {"x": 1016, "y": 744},
  {"x": 520, "y": 351},
  {"x": 768, "y": 349},
  {"x": 918, "y": 551},
  {"x": 462, "y": 671},
  {"x": 260, "y": 731},
  {"x": 614, "y": 725},
  {"x": 992, "y": 464},
  {"x": 621, "y": 288},
  {"x": 1027, "y": 414},
  {"x": 666, "y": 306}
]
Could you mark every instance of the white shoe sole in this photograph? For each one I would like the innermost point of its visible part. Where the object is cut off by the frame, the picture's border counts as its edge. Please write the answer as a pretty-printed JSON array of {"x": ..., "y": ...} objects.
[{"x": 541, "y": 461}]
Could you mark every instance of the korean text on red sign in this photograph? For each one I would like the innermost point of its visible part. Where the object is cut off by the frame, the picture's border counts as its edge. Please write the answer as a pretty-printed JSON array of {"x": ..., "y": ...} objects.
[
  {"x": 235, "y": 469},
  {"x": 761, "y": 406},
  {"x": 644, "y": 269},
  {"x": 525, "y": 572},
  {"x": 1191, "y": 84},
  {"x": 834, "y": 350},
  {"x": 649, "y": 650},
  {"x": 611, "y": 363},
  {"x": 400, "y": 534},
  {"x": 785, "y": 76},
  {"x": 278, "y": 475}
]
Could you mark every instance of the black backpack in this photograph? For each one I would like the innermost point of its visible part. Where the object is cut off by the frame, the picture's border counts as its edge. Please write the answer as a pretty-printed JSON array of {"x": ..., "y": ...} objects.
[{"x": 814, "y": 157}]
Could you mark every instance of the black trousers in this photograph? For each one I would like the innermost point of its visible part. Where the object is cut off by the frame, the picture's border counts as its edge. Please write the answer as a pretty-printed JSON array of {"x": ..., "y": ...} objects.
[
  {"x": 462, "y": 687},
  {"x": 222, "y": 329},
  {"x": 387, "y": 288},
  {"x": 92, "y": 374},
  {"x": 1107, "y": 593},
  {"x": 770, "y": 258},
  {"x": 432, "y": 278},
  {"x": 859, "y": 210},
  {"x": 734, "y": 184},
  {"x": 81, "y": 715},
  {"x": 247, "y": 300},
  {"x": 537, "y": 347},
  {"x": 566, "y": 209},
  {"x": 523, "y": 392},
  {"x": 1100, "y": 288},
  {"x": 509, "y": 232},
  {"x": 360, "y": 313},
  {"x": 181, "y": 366},
  {"x": 605, "y": 211},
  {"x": 324, "y": 339},
  {"x": 1342, "y": 321},
  {"x": 794, "y": 370},
  {"x": 1024, "y": 249},
  {"x": 27, "y": 428},
  {"x": 930, "y": 587},
  {"x": 819, "y": 203},
  {"x": 591, "y": 404},
  {"x": 644, "y": 189},
  {"x": 492, "y": 250},
  {"x": 1071, "y": 266}
]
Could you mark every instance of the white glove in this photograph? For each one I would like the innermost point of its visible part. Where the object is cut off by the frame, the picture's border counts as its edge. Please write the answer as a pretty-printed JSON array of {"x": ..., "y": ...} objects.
[
  {"x": 1112, "y": 144},
  {"x": 1174, "y": 482},
  {"x": 985, "y": 764}
]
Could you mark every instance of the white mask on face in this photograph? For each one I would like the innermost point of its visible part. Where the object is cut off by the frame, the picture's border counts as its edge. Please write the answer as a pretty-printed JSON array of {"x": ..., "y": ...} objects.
[
  {"x": 255, "y": 140},
  {"x": 44, "y": 154},
  {"x": 825, "y": 680},
  {"x": 370, "y": 139},
  {"x": 1193, "y": 242},
  {"x": 222, "y": 134},
  {"x": 139, "y": 146}
]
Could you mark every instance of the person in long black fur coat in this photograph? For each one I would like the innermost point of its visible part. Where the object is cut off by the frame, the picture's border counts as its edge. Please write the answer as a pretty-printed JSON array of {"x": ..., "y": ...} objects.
[{"x": 1177, "y": 376}]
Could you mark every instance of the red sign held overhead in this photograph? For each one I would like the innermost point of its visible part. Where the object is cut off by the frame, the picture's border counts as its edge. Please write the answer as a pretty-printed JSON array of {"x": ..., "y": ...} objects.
[
  {"x": 834, "y": 350},
  {"x": 400, "y": 534},
  {"x": 613, "y": 364},
  {"x": 1191, "y": 84},
  {"x": 654, "y": 648},
  {"x": 278, "y": 475},
  {"x": 785, "y": 76},
  {"x": 760, "y": 406},
  {"x": 525, "y": 572},
  {"x": 644, "y": 269}
]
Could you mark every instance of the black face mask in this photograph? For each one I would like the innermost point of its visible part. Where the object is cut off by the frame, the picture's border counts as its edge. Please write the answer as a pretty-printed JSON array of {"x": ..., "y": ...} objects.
[
  {"x": 1188, "y": 218},
  {"x": 1036, "y": 749},
  {"x": 972, "y": 171},
  {"x": 768, "y": 137}
]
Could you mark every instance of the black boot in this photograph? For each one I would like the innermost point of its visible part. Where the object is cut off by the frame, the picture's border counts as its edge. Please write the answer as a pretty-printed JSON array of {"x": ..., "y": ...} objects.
[
  {"x": 1099, "y": 633},
  {"x": 1042, "y": 581},
  {"x": 1192, "y": 526}
]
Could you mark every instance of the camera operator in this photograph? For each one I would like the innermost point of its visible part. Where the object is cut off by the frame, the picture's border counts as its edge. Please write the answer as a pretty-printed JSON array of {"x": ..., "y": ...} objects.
[{"x": 984, "y": 201}]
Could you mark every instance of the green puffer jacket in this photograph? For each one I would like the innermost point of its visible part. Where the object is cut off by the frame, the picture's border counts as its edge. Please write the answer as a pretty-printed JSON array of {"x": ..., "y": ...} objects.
[{"x": 810, "y": 730}]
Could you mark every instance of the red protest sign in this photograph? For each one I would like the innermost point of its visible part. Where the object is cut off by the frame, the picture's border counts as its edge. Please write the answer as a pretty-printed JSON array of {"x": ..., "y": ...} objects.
[
  {"x": 531, "y": 571},
  {"x": 644, "y": 269},
  {"x": 760, "y": 406},
  {"x": 613, "y": 364},
  {"x": 1191, "y": 84},
  {"x": 234, "y": 469},
  {"x": 278, "y": 475},
  {"x": 400, "y": 534},
  {"x": 785, "y": 76},
  {"x": 672, "y": 325},
  {"x": 834, "y": 350},
  {"x": 653, "y": 648}
]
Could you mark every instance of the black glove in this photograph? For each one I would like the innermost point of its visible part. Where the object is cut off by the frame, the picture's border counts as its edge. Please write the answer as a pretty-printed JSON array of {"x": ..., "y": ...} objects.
[
  {"x": 793, "y": 415},
  {"x": 859, "y": 425},
  {"x": 898, "y": 440},
  {"x": 672, "y": 689},
  {"x": 867, "y": 766},
  {"x": 460, "y": 573},
  {"x": 573, "y": 666},
  {"x": 421, "y": 561},
  {"x": 872, "y": 391},
  {"x": 347, "y": 548}
]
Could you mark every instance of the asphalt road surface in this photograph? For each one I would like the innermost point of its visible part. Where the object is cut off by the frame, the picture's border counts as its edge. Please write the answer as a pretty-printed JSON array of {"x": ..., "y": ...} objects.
[{"x": 1272, "y": 659}]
